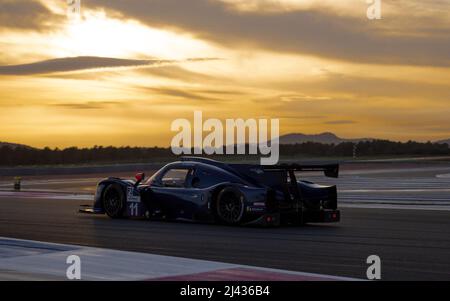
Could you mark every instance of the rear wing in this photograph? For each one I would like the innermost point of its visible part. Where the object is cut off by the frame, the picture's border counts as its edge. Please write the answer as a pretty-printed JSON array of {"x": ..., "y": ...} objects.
[{"x": 330, "y": 170}]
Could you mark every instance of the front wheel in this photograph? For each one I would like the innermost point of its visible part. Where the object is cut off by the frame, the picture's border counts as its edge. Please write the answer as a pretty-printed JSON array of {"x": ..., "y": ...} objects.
[
  {"x": 230, "y": 206},
  {"x": 114, "y": 201}
]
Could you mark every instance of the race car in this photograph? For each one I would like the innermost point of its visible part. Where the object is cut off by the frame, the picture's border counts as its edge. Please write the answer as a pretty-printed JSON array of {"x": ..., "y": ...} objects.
[{"x": 205, "y": 190}]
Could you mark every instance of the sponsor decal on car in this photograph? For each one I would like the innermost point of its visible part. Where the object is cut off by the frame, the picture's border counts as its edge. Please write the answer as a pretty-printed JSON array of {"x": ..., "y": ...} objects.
[{"x": 132, "y": 197}]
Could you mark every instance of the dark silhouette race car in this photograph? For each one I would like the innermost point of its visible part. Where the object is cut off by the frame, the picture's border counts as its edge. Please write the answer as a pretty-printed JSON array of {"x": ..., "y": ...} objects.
[{"x": 205, "y": 190}]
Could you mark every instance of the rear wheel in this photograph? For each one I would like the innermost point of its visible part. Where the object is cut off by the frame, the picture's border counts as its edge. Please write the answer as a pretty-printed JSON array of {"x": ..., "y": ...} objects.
[
  {"x": 230, "y": 206},
  {"x": 114, "y": 201}
]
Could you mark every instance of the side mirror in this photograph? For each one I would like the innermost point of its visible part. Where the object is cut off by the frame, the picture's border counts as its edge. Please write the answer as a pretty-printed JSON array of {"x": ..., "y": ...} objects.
[{"x": 139, "y": 177}]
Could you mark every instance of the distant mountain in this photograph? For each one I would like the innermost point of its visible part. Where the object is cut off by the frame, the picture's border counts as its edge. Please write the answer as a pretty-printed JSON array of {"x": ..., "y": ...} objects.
[
  {"x": 14, "y": 145},
  {"x": 444, "y": 141},
  {"x": 325, "y": 138}
]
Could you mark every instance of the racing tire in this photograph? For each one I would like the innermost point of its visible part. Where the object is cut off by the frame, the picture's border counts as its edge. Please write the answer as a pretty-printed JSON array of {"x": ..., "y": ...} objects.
[
  {"x": 229, "y": 206},
  {"x": 114, "y": 201}
]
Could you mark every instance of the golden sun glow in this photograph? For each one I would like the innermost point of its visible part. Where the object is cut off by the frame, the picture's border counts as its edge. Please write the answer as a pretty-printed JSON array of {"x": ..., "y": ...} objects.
[
  {"x": 95, "y": 34},
  {"x": 295, "y": 69}
]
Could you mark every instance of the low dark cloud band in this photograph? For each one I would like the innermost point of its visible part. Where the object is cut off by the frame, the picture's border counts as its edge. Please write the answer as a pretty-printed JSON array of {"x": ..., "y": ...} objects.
[{"x": 68, "y": 64}]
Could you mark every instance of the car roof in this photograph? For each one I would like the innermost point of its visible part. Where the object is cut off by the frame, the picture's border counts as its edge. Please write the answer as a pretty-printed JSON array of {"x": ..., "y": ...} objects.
[
  {"x": 210, "y": 163},
  {"x": 194, "y": 163}
]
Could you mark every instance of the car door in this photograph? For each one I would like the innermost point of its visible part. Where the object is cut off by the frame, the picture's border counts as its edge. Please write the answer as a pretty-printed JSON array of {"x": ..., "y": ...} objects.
[{"x": 173, "y": 194}]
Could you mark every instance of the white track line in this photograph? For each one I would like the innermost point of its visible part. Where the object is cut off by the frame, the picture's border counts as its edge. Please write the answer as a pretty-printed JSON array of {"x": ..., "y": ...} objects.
[
  {"x": 396, "y": 207},
  {"x": 358, "y": 201}
]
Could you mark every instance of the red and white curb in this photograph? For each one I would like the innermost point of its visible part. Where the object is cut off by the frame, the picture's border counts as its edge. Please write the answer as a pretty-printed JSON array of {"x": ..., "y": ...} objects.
[{"x": 33, "y": 260}]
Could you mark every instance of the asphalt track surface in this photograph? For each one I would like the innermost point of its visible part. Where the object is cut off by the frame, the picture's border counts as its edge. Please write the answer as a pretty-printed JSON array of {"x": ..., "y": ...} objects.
[{"x": 412, "y": 244}]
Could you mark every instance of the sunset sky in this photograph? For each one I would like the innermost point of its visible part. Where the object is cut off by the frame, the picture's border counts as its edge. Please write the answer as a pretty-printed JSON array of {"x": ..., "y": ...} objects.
[{"x": 125, "y": 69}]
